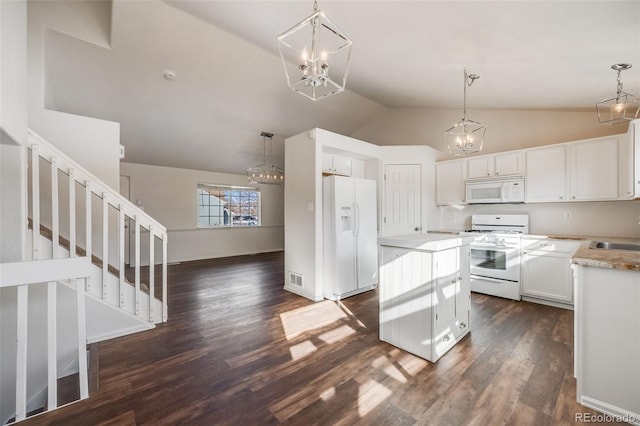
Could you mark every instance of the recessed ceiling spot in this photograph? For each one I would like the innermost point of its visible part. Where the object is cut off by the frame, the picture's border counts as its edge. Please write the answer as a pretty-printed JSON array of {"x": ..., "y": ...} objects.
[{"x": 169, "y": 75}]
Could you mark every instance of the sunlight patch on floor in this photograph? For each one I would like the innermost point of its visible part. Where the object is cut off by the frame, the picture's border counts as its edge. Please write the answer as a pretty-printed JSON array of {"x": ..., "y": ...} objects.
[
  {"x": 383, "y": 363},
  {"x": 328, "y": 394},
  {"x": 302, "y": 349},
  {"x": 312, "y": 317},
  {"x": 409, "y": 363},
  {"x": 370, "y": 395},
  {"x": 336, "y": 334}
]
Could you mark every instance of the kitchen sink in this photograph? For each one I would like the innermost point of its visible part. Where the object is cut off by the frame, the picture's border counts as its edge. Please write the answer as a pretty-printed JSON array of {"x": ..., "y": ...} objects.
[{"x": 608, "y": 245}]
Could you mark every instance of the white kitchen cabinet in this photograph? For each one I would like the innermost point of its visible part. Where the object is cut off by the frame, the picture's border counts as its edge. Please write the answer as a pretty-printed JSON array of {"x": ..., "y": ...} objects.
[
  {"x": 496, "y": 165},
  {"x": 593, "y": 167},
  {"x": 546, "y": 177},
  {"x": 336, "y": 165},
  {"x": 629, "y": 163},
  {"x": 607, "y": 340},
  {"x": 424, "y": 299},
  {"x": 450, "y": 182},
  {"x": 546, "y": 270}
]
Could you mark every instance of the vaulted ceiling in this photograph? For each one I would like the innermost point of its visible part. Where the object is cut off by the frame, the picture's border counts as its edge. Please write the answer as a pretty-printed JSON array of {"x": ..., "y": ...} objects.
[{"x": 229, "y": 85}]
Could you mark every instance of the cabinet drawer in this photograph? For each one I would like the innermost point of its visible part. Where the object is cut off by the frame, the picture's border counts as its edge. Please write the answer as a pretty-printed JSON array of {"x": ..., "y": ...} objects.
[{"x": 567, "y": 247}]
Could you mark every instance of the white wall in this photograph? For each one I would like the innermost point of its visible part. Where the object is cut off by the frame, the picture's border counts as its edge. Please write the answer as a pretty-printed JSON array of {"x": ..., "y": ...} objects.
[
  {"x": 601, "y": 218},
  {"x": 13, "y": 225},
  {"x": 93, "y": 143},
  {"x": 168, "y": 194}
]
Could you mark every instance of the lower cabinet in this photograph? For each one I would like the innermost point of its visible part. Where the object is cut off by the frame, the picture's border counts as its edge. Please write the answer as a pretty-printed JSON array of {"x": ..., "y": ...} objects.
[
  {"x": 546, "y": 271},
  {"x": 424, "y": 299}
]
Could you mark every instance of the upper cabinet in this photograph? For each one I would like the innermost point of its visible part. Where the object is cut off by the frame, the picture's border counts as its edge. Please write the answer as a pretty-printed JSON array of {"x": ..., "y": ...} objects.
[
  {"x": 593, "y": 167},
  {"x": 450, "y": 182},
  {"x": 336, "y": 165},
  {"x": 629, "y": 163},
  {"x": 546, "y": 178},
  {"x": 504, "y": 164}
]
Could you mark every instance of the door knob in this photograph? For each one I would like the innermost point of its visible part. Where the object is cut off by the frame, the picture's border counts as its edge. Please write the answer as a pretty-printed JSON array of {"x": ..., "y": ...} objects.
[{"x": 417, "y": 229}]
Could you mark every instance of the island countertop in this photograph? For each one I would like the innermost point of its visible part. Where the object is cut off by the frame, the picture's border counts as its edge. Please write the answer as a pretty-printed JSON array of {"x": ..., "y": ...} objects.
[{"x": 426, "y": 242}]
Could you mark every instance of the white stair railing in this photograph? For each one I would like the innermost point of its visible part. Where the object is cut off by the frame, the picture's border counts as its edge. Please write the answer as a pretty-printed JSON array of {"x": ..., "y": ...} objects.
[
  {"x": 23, "y": 275},
  {"x": 113, "y": 238}
]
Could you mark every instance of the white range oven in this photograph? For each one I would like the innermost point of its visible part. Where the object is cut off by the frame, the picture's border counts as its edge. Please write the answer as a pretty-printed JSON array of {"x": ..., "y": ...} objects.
[{"x": 495, "y": 254}]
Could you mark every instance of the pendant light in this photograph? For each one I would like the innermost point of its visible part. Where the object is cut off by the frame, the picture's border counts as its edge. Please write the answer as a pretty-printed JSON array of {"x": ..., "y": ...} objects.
[
  {"x": 266, "y": 173},
  {"x": 620, "y": 108},
  {"x": 466, "y": 136},
  {"x": 315, "y": 55}
]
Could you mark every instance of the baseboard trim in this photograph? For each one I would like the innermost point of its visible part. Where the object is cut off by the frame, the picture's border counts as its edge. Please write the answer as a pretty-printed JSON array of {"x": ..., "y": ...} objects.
[{"x": 616, "y": 413}]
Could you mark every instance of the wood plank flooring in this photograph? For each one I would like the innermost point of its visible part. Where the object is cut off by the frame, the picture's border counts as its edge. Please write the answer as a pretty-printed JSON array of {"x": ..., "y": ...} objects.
[{"x": 239, "y": 350}]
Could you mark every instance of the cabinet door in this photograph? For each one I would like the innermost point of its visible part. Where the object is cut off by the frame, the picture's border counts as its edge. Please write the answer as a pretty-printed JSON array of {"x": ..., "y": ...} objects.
[
  {"x": 463, "y": 299},
  {"x": 594, "y": 169},
  {"x": 546, "y": 174},
  {"x": 450, "y": 182},
  {"x": 510, "y": 163},
  {"x": 327, "y": 163},
  {"x": 341, "y": 165},
  {"x": 547, "y": 276},
  {"x": 405, "y": 298},
  {"x": 447, "y": 291},
  {"x": 480, "y": 167}
]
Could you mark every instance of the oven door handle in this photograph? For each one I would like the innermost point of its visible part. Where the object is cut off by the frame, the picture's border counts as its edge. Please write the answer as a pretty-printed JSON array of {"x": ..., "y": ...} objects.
[{"x": 495, "y": 280}]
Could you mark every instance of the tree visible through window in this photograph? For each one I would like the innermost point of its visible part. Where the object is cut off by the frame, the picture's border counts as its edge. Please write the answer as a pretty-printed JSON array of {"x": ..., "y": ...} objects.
[{"x": 228, "y": 205}]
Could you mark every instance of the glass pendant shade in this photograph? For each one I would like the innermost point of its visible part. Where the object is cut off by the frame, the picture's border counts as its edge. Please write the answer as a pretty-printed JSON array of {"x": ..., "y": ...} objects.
[
  {"x": 620, "y": 108},
  {"x": 466, "y": 136},
  {"x": 315, "y": 55},
  {"x": 266, "y": 173}
]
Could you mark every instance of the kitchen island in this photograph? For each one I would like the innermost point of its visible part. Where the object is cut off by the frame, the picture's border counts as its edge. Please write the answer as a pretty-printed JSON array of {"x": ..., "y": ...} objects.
[
  {"x": 607, "y": 331},
  {"x": 424, "y": 292}
]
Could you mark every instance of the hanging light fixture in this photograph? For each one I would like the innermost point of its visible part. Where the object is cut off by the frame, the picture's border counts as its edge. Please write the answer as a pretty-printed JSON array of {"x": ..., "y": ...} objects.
[
  {"x": 466, "y": 136},
  {"x": 266, "y": 173},
  {"x": 622, "y": 107},
  {"x": 315, "y": 55}
]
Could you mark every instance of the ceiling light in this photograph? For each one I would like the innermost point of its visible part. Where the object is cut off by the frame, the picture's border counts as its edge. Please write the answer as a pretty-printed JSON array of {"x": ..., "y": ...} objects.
[
  {"x": 266, "y": 173},
  {"x": 622, "y": 107},
  {"x": 466, "y": 136},
  {"x": 315, "y": 56}
]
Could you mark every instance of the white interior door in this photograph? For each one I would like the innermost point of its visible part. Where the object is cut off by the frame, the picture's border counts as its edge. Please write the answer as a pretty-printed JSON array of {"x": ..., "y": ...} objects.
[
  {"x": 402, "y": 199},
  {"x": 125, "y": 191}
]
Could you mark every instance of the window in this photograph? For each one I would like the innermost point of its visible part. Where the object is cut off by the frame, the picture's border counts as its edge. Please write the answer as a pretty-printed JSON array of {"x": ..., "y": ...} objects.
[{"x": 228, "y": 206}]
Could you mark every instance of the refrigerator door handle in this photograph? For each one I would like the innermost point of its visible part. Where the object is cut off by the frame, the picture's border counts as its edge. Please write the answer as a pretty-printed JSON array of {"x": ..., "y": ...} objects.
[{"x": 356, "y": 219}]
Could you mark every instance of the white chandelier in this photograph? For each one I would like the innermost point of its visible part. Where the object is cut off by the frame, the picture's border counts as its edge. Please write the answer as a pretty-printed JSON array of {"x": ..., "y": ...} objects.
[
  {"x": 620, "y": 108},
  {"x": 315, "y": 55},
  {"x": 466, "y": 136},
  {"x": 266, "y": 173}
]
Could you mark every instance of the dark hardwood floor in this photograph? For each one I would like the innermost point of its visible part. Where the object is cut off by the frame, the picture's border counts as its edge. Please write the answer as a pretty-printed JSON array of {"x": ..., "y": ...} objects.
[{"x": 239, "y": 350}]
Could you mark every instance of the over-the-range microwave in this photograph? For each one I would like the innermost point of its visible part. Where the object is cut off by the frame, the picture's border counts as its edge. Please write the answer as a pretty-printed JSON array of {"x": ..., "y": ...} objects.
[{"x": 496, "y": 190}]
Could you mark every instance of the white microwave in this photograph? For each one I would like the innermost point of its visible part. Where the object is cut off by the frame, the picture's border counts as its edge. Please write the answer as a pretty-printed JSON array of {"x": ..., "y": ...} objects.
[{"x": 496, "y": 191}]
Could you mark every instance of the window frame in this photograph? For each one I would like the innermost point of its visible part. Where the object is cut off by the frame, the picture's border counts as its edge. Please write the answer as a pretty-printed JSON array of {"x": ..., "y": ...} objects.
[{"x": 234, "y": 210}]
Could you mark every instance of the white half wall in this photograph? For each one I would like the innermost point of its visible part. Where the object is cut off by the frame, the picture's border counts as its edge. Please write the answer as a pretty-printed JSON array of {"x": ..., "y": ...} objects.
[{"x": 168, "y": 194}]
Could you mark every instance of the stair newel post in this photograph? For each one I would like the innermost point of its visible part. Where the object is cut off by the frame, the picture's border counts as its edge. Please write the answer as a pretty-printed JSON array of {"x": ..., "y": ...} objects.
[
  {"x": 105, "y": 244},
  {"x": 82, "y": 338},
  {"x": 151, "y": 272},
  {"x": 164, "y": 277},
  {"x": 136, "y": 296},
  {"x": 121, "y": 241},
  {"x": 88, "y": 236},
  {"x": 72, "y": 213},
  {"x": 21, "y": 352},
  {"x": 35, "y": 199},
  {"x": 52, "y": 349},
  {"x": 55, "y": 226}
]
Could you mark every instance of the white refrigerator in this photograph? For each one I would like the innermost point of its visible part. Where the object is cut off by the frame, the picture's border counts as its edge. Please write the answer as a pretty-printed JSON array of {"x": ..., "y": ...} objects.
[{"x": 350, "y": 236}]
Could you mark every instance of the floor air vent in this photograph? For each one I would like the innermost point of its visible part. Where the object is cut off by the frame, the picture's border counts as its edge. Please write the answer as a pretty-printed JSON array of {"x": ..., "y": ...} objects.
[{"x": 295, "y": 279}]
